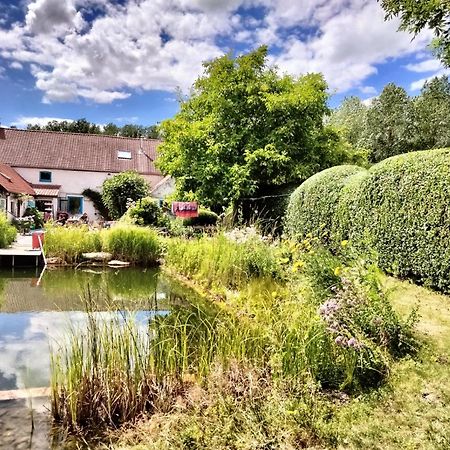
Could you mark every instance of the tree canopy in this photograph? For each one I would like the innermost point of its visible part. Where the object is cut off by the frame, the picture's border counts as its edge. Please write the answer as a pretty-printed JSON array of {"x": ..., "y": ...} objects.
[
  {"x": 244, "y": 129},
  {"x": 416, "y": 15},
  {"x": 110, "y": 129},
  {"x": 396, "y": 123},
  {"x": 121, "y": 189}
]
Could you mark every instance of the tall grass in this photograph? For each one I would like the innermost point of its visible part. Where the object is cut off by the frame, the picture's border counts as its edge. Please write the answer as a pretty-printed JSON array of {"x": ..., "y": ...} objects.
[
  {"x": 7, "y": 232},
  {"x": 117, "y": 368},
  {"x": 221, "y": 261},
  {"x": 129, "y": 243},
  {"x": 68, "y": 243},
  {"x": 338, "y": 337},
  {"x": 132, "y": 243}
]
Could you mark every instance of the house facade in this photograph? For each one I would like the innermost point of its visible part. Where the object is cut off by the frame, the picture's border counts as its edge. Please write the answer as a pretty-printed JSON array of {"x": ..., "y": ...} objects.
[{"x": 60, "y": 166}]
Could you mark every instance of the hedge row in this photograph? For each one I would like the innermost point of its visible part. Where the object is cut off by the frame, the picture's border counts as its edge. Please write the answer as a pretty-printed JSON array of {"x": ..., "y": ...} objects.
[{"x": 400, "y": 208}]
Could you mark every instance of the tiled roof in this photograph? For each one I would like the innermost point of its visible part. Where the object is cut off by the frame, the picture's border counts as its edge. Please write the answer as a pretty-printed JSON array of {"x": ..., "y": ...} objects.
[
  {"x": 11, "y": 181},
  {"x": 74, "y": 151},
  {"x": 46, "y": 190}
]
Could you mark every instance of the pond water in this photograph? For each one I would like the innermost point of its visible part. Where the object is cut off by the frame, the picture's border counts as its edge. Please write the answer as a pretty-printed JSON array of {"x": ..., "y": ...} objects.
[{"x": 36, "y": 310}]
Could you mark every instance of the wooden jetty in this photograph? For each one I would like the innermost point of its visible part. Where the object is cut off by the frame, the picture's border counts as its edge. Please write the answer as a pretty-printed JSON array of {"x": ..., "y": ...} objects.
[{"x": 22, "y": 253}]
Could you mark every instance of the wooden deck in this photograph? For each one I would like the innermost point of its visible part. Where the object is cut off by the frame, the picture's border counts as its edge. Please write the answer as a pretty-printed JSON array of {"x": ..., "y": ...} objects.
[{"x": 21, "y": 248}]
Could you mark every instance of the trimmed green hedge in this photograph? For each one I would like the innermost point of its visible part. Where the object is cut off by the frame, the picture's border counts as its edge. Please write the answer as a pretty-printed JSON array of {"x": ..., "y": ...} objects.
[
  {"x": 205, "y": 217},
  {"x": 401, "y": 209},
  {"x": 313, "y": 204}
]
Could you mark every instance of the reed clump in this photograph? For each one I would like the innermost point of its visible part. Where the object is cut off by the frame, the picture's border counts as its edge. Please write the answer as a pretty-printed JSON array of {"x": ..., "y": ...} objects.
[
  {"x": 138, "y": 245},
  {"x": 68, "y": 243},
  {"x": 222, "y": 261}
]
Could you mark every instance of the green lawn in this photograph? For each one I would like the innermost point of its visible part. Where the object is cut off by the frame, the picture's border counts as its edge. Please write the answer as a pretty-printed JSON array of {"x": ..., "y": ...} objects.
[{"x": 413, "y": 410}]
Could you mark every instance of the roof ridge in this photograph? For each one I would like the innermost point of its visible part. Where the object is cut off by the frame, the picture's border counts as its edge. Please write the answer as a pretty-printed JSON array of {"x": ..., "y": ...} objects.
[{"x": 81, "y": 134}]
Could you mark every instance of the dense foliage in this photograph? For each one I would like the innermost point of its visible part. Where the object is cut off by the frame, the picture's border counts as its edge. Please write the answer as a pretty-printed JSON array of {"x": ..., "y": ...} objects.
[
  {"x": 121, "y": 189},
  {"x": 7, "y": 232},
  {"x": 416, "y": 16},
  {"x": 205, "y": 217},
  {"x": 313, "y": 204},
  {"x": 395, "y": 123},
  {"x": 245, "y": 128},
  {"x": 399, "y": 208},
  {"x": 110, "y": 129},
  {"x": 146, "y": 211}
]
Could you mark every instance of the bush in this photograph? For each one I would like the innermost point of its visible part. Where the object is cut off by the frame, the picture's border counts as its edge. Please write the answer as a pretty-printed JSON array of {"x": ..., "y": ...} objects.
[
  {"x": 147, "y": 212},
  {"x": 312, "y": 206},
  {"x": 205, "y": 217},
  {"x": 37, "y": 216},
  {"x": 399, "y": 208},
  {"x": 122, "y": 188},
  {"x": 7, "y": 232},
  {"x": 133, "y": 244}
]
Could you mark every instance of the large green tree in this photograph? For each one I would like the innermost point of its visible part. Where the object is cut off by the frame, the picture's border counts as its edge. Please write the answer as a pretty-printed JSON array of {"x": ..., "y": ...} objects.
[
  {"x": 121, "y": 189},
  {"x": 432, "y": 114},
  {"x": 245, "y": 129},
  {"x": 390, "y": 124},
  {"x": 416, "y": 15},
  {"x": 351, "y": 118}
]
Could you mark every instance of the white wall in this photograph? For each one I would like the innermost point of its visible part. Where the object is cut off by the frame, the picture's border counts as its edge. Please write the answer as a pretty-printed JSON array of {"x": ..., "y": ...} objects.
[{"x": 75, "y": 182}]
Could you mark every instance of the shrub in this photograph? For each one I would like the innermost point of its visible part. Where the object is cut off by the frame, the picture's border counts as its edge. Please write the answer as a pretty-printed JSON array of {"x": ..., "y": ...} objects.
[
  {"x": 205, "y": 217},
  {"x": 133, "y": 244},
  {"x": 7, "y": 232},
  {"x": 399, "y": 208},
  {"x": 147, "y": 212},
  {"x": 37, "y": 216},
  {"x": 122, "y": 188},
  {"x": 312, "y": 206}
]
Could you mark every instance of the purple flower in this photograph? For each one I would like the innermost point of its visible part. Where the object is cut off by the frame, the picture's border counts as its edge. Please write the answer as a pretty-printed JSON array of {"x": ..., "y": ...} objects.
[{"x": 341, "y": 341}]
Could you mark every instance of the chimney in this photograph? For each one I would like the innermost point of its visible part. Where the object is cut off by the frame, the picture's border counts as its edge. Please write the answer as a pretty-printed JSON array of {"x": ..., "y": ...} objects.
[{"x": 2, "y": 133}]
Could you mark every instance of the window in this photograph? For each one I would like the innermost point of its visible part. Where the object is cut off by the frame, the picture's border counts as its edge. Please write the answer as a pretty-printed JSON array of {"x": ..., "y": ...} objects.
[
  {"x": 123, "y": 154},
  {"x": 75, "y": 204},
  {"x": 45, "y": 177}
]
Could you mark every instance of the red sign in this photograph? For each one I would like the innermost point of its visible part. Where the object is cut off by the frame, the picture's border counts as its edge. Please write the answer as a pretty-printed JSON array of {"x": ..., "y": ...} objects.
[{"x": 185, "y": 209}]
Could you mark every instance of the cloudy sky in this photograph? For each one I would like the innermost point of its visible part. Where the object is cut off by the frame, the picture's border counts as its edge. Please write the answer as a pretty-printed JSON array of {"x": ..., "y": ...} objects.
[{"x": 123, "y": 60}]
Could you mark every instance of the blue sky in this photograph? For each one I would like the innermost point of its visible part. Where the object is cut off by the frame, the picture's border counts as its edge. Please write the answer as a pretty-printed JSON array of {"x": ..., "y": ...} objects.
[{"x": 123, "y": 61}]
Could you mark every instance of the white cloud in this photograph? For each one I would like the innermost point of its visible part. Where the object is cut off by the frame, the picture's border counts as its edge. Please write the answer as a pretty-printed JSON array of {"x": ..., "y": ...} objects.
[
  {"x": 161, "y": 44},
  {"x": 23, "y": 121},
  {"x": 429, "y": 65},
  {"x": 368, "y": 101},
  {"x": 418, "y": 84},
  {"x": 16, "y": 65},
  {"x": 349, "y": 46},
  {"x": 369, "y": 90}
]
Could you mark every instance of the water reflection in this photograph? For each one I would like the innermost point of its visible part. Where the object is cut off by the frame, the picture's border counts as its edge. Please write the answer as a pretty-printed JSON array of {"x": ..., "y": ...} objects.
[{"x": 33, "y": 316}]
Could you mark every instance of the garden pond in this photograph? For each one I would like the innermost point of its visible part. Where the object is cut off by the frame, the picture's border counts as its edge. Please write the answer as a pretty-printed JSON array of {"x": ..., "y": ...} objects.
[{"x": 37, "y": 310}]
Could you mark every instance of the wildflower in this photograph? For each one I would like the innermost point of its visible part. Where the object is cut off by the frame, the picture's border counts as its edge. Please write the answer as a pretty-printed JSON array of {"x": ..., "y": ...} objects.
[
  {"x": 284, "y": 260},
  {"x": 352, "y": 342},
  {"x": 337, "y": 270},
  {"x": 274, "y": 294},
  {"x": 328, "y": 309},
  {"x": 344, "y": 243},
  {"x": 341, "y": 341},
  {"x": 297, "y": 265}
]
